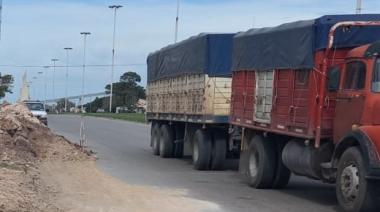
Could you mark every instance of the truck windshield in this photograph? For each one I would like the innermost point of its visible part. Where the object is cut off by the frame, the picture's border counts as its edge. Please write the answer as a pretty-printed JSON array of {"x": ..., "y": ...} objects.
[
  {"x": 376, "y": 77},
  {"x": 35, "y": 106}
]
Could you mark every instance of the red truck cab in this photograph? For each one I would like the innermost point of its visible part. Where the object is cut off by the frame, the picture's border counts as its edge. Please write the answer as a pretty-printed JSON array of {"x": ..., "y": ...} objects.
[
  {"x": 310, "y": 106},
  {"x": 357, "y": 118},
  {"x": 356, "y": 130}
]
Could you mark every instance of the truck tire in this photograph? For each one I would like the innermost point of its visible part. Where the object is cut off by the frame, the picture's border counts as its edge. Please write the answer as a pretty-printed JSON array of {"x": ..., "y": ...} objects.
[
  {"x": 261, "y": 163},
  {"x": 354, "y": 192},
  {"x": 155, "y": 138},
  {"x": 201, "y": 150},
  {"x": 166, "y": 141},
  {"x": 282, "y": 176},
  {"x": 219, "y": 150}
]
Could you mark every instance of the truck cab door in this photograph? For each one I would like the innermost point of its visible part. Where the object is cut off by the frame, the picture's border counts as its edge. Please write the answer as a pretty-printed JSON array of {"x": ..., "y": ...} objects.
[{"x": 350, "y": 98}]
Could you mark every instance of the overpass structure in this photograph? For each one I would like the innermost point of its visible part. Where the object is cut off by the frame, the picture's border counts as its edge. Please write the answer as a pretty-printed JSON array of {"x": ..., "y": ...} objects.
[{"x": 101, "y": 94}]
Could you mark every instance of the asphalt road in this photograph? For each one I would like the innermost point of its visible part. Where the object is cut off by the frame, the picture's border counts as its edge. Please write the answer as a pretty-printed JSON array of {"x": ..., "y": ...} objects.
[{"x": 124, "y": 152}]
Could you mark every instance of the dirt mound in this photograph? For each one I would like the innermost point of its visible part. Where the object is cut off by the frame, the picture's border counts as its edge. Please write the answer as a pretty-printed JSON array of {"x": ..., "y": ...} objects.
[
  {"x": 40, "y": 171},
  {"x": 24, "y": 143},
  {"x": 24, "y": 139}
]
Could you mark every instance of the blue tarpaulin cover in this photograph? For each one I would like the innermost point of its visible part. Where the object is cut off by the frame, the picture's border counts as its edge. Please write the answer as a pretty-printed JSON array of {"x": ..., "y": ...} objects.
[
  {"x": 203, "y": 54},
  {"x": 292, "y": 45}
]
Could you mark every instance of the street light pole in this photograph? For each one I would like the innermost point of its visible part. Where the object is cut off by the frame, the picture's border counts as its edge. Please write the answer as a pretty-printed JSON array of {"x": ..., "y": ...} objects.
[
  {"x": 67, "y": 74},
  {"x": 46, "y": 68},
  {"x": 1, "y": 17},
  {"x": 85, "y": 34},
  {"x": 176, "y": 22},
  {"x": 40, "y": 73},
  {"x": 115, "y": 8},
  {"x": 358, "y": 7},
  {"x": 54, "y": 63}
]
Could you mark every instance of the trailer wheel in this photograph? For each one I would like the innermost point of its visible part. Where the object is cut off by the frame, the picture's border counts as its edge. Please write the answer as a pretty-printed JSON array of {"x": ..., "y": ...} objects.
[
  {"x": 261, "y": 163},
  {"x": 354, "y": 192},
  {"x": 219, "y": 150},
  {"x": 283, "y": 174},
  {"x": 201, "y": 150},
  {"x": 166, "y": 141},
  {"x": 155, "y": 138}
]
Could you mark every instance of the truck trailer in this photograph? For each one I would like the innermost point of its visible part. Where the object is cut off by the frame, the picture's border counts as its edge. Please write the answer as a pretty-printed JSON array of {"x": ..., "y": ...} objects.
[
  {"x": 188, "y": 100},
  {"x": 306, "y": 97}
]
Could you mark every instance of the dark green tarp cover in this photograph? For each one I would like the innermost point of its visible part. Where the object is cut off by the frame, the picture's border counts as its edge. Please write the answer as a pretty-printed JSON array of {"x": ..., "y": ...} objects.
[
  {"x": 204, "y": 54},
  {"x": 293, "y": 45}
]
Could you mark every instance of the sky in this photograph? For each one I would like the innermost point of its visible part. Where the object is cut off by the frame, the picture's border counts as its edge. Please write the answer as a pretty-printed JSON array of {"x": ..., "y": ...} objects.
[{"x": 35, "y": 31}]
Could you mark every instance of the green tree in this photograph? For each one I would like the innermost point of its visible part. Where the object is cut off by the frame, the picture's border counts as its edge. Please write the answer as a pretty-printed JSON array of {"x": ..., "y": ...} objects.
[
  {"x": 93, "y": 106},
  {"x": 130, "y": 77},
  {"x": 127, "y": 92},
  {"x": 61, "y": 104},
  {"x": 6, "y": 82}
]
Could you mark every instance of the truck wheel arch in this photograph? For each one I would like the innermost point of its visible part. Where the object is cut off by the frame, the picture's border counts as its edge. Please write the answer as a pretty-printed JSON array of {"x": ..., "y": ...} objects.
[{"x": 360, "y": 139}]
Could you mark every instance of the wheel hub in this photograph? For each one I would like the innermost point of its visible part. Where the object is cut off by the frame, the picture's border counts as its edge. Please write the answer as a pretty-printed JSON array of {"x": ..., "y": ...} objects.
[
  {"x": 253, "y": 163},
  {"x": 350, "y": 183}
]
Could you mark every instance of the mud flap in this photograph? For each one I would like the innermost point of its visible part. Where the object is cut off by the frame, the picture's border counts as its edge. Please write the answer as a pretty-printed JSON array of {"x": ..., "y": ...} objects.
[{"x": 243, "y": 163}]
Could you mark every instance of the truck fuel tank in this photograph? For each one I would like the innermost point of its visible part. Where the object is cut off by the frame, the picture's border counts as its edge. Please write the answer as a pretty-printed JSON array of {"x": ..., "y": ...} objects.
[{"x": 304, "y": 159}]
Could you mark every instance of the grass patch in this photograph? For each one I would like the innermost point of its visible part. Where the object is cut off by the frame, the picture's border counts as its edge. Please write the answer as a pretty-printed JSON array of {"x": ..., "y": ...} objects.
[{"x": 134, "y": 117}]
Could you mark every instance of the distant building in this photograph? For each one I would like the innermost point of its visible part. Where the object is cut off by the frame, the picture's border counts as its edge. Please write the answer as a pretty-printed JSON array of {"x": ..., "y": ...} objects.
[{"x": 139, "y": 107}]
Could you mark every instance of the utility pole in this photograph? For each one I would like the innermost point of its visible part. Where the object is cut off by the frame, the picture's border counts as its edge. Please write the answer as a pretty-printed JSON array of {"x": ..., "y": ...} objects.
[
  {"x": 67, "y": 74},
  {"x": 45, "y": 85},
  {"x": 54, "y": 65},
  {"x": 85, "y": 34},
  {"x": 115, "y": 8},
  {"x": 176, "y": 22},
  {"x": 358, "y": 7}
]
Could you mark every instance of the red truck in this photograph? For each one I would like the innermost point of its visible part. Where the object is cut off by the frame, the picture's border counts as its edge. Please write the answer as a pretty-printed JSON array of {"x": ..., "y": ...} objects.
[
  {"x": 307, "y": 98},
  {"x": 304, "y": 99}
]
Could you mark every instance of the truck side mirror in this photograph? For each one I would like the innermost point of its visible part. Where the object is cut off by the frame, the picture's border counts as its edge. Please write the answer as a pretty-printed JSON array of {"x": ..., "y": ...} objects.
[{"x": 333, "y": 78}]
